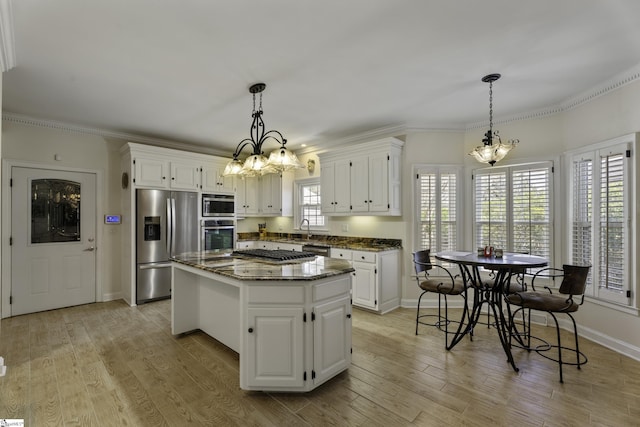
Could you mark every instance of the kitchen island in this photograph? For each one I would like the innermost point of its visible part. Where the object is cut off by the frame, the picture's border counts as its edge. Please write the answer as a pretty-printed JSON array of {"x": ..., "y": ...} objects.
[{"x": 289, "y": 320}]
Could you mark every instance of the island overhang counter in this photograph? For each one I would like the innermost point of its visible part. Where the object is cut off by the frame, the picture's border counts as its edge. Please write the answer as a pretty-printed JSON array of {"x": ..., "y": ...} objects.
[{"x": 290, "y": 322}]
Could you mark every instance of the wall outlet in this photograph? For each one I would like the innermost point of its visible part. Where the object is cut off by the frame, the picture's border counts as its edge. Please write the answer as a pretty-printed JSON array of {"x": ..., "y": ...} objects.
[{"x": 345, "y": 227}]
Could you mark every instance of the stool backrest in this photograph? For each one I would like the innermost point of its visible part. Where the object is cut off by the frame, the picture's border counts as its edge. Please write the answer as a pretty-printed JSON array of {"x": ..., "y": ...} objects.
[
  {"x": 422, "y": 261},
  {"x": 574, "y": 281}
]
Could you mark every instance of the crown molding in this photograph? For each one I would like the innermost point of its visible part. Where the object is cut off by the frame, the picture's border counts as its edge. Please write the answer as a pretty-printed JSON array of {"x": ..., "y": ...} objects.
[
  {"x": 7, "y": 40},
  {"x": 322, "y": 145},
  {"x": 614, "y": 83},
  {"x": 73, "y": 128}
]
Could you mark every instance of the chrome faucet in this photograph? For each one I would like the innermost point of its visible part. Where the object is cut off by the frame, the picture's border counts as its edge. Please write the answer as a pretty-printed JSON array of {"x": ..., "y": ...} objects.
[{"x": 308, "y": 227}]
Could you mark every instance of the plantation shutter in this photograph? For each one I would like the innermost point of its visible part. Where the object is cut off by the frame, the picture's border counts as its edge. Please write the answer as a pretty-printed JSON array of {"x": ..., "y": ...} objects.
[
  {"x": 491, "y": 209},
  {"x": 611, "y": 257},
  {"x": 581, "y": 228},
  {"x": 437, "y": 192},
  {"x": 531, "y": 208}
]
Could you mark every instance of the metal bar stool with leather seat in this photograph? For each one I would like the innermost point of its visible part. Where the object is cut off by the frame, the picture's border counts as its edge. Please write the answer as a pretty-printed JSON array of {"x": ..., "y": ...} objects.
[
  {"x": 574, "y": 282},
  {"x": 444, "y": 285}
]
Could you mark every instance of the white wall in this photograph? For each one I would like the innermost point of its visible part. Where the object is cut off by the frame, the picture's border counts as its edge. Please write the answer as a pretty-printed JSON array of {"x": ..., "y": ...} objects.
[{"x": 39, "y": 145}]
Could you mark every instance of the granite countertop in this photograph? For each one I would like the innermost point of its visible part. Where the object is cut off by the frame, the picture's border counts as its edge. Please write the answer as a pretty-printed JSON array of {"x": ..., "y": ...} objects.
[
  {"x": 338, "y": 242},
  {"x": 257, "y": 269}
]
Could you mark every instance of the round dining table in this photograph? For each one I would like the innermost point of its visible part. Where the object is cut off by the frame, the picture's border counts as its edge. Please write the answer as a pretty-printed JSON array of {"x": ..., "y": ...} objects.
[{"x": 491, "y": 288}]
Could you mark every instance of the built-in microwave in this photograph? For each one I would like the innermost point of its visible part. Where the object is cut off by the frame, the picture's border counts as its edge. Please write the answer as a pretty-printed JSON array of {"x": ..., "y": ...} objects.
[
  {"x": 222, "y": 205},
  {"x": 218, "y": 235}
]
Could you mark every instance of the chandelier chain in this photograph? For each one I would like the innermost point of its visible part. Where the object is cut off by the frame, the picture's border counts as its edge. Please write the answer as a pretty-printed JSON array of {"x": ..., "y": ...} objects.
[{"x": 490, "y": 106}]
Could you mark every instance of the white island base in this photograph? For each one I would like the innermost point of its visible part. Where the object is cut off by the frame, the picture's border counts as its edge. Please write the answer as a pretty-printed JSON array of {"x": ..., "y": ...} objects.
[{"x": 291, "y": 335}]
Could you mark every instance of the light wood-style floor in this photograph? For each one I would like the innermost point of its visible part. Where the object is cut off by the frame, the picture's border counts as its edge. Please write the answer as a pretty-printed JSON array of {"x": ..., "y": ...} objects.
[{"x": 109, "y": 364}]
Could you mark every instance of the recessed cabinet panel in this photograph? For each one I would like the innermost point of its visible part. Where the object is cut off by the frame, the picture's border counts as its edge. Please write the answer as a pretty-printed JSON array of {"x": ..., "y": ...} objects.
[
  {"x": 364, "y": 285},
  {"x": 378, "y": 183},
  {"x": 332, "y": 338},
  {"x": 151, "y": 173},
  {"x": 275, "y": 346},
  {"x": 185, "y": 176}
]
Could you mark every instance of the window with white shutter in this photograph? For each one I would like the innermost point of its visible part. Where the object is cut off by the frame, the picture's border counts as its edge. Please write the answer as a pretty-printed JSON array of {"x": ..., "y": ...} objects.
[
  {"x": 512, "y": 208},
  {"x": 437, "y": 210},
  {"x": 600, "y": 194}
]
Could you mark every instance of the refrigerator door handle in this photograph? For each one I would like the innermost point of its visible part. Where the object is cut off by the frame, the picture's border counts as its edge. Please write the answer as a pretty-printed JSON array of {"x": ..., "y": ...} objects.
[
  {"x": 168, "y": 229},
  {"x": 154, "y": 265},
  {"x": 173, "y": 227}
]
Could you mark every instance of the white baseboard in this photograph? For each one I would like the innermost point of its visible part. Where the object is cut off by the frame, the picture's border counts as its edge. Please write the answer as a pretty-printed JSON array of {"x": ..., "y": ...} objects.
[{"x": 112, "y": 296}]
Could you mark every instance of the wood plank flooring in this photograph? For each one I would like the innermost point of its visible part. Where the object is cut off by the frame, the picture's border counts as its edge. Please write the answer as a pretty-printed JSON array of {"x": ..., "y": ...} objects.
[{"x": 108, "y": 364}]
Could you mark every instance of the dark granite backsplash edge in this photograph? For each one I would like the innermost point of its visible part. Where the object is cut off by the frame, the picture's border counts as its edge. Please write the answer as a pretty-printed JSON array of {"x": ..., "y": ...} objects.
[{"x": 318, "y": 238}]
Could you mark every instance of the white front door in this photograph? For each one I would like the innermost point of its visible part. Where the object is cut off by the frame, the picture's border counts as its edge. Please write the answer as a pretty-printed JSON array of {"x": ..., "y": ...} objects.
[{"x": 53, "y": 230}]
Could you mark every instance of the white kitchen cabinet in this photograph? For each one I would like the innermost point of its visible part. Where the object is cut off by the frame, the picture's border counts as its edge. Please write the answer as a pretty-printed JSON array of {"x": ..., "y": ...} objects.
[
  {"x": 268, "y": 195},
  {"x": 332, "y": 334},
  {"x": 247, "y": 197},
  {"x": 213, "y": 181},
  {"x": 296, "y": 337},
  {"x": 184, "y": 176},
  {"x": 151, "y": 172},
  {"x": 160, "y": 173},
  {"x": 335, "y": 177},
  {"x": 372, "y": 185},
  {"x": 246, "y": 245},
  {"x": 364, "y": 286},
  {"x": 376, "y": 279},
  {"x": 260, "y": 244},
  {"x": 271, "y": 194},
  {"x": 287, "y": 246},
  {"x": 275, "y": 346}
]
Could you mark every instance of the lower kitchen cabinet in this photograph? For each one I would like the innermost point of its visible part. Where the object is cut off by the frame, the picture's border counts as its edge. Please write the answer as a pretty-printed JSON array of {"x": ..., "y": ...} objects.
[
  {"x": 296, "y": 337},
  {"x": 275, "y": 344},
  {"x": 376, "y": 279},
  {"x": 332, "y": 338}
]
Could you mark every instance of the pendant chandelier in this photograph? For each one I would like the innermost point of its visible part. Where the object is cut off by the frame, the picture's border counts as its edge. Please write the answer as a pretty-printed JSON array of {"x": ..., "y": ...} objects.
[
  {"x": 257, "y": 163},
  {"x": 493, "y": 149}
]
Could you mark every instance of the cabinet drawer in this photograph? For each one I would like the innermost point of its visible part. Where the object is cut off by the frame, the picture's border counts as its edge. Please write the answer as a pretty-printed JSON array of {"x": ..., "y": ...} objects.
[
  {"x": 341, "y": 254},
  {"x": 331, "y": 289},
  {"x": 364, "y": 256},
  {"x": 275, "y": 294}
]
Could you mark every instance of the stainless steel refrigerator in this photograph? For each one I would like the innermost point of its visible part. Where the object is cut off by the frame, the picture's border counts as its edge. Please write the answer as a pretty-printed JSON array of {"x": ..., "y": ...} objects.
[{"x": 166, "y": 225}]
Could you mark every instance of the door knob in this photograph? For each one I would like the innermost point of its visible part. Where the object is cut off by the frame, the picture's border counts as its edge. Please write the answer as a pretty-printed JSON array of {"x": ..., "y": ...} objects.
[{"x": 91, "y": 249}]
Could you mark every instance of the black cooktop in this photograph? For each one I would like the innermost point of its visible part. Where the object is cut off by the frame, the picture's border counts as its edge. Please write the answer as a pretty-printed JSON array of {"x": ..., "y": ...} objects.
[{"x": 274, "y": 254}]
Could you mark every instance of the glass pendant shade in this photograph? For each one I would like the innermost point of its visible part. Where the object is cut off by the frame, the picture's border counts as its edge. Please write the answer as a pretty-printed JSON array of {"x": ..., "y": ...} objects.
[
  {"x": 492, "y": 153},
  {"x": 284, "y": 160},
  {"x": 233, "y": 168},
  {"x": 254, "y": 165}
]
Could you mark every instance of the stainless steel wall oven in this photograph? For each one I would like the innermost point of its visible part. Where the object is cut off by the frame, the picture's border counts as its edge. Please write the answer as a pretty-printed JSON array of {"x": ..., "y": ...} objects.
[{"x": 218, "y": 235}]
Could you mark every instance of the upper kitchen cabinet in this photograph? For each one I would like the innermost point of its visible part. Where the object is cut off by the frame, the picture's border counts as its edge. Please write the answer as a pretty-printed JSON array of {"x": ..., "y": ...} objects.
[
  {"x": 363, "y": 179},
  {"x": 247, "y": 197},
  {"x": 163, "y": 168},
  {"x": 213, "y": 181},
  {"x": 335, "y": 176},
  {"x": 267, "y": 195},
  {"x": 184, "y": 176}
]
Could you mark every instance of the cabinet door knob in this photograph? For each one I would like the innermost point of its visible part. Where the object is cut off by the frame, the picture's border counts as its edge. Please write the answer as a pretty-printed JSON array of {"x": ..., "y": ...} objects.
[
  {"x": 349, "y": 316},
  {"x": 250, "y": 330}
]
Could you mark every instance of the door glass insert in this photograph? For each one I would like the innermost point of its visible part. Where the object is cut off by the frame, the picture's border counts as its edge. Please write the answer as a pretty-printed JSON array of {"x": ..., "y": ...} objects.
[{"x": 55, "y": 211}]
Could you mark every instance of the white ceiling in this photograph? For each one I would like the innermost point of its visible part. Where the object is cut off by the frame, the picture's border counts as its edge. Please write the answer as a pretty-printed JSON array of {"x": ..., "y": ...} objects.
[{"x": 180, "y": 70}]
